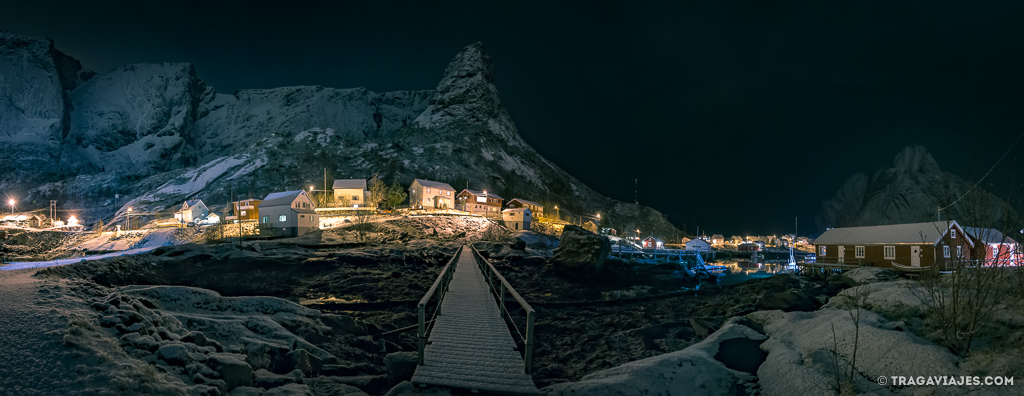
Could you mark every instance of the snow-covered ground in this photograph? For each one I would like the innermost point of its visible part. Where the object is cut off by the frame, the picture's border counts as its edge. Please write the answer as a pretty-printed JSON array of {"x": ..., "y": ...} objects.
[{"x": 124, "y": 243}]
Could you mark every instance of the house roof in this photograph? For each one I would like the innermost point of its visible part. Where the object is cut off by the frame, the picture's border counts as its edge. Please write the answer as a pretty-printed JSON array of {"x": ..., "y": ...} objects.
[
  {"x": 655, "y": 239},
  {"x": 717, "y": 236},
  {"x": 481, "y": 193},
  {"x": 193, "y": 202},
  {"x": 280, "y": 198},
  {"x": 516, "y": 210},
  {"x": 989, "y": 235},
  {"x": 434, "y": 184},
  {"x": 523, "y": 201},
  {"x": 911, "y": 233},
  {"x": 697, "y": 240},
  {"x": 349, "y": 184}
]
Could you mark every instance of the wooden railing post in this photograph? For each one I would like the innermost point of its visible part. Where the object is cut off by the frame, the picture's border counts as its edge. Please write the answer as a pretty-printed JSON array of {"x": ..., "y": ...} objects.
[
  {"x": 420, "y": 332},
  {"x": 528, "y": 358},
  {"x": 501, "y": 302}
]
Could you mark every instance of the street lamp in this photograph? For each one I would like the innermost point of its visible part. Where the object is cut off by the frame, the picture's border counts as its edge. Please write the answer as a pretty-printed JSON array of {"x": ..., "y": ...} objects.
[
  {"x": 556, "y": 213},
  {"x": 127, "y": 220},
  {"x": 11, "y": 202}
]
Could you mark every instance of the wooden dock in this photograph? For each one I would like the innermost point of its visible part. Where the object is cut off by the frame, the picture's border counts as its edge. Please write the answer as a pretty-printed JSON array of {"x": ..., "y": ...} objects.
[{"x": 470, "y": 346}]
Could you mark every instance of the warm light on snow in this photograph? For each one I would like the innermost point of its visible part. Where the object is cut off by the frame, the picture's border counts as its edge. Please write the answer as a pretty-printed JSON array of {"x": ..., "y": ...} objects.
[{"x": 72, "y": 221}]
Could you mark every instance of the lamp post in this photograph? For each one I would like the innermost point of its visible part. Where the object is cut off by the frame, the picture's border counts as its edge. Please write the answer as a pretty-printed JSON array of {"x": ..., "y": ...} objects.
[
  {"x": 557, "y": 216},
  {"x": 11, "y": 202},
  {"x": 128, "y": 220}
]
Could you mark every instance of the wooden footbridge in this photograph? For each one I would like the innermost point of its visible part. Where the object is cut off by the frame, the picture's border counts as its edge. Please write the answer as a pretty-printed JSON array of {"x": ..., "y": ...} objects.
[{"x": 469, "y": 342}]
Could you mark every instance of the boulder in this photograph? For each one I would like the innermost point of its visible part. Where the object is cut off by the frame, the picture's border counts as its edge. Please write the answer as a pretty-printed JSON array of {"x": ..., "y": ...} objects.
[
  {"x": 290, "y": 390},
  {"x": 195, "y": 337},
  {"x": 267, "y": 380},
  {"x": 786, "y": 301},
  {"x": 174, "y": 353},
  {"x": 232, "y": 369},
  {"x": 865, "y": 275},
  {"x": 246, "y": 391},
  {"x": 401, "y": 365},
  {"x": 344, "y": 323},
  {"x": 581, "y": 249}
]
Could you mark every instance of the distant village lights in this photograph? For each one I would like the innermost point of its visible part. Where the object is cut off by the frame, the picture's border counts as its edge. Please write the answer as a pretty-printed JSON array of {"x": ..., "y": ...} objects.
[{"x": 127, "y": 220}]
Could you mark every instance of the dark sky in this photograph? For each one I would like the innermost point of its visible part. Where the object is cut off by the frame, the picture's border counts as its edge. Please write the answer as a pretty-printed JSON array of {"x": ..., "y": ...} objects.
[{"x": 735, "y": 115}]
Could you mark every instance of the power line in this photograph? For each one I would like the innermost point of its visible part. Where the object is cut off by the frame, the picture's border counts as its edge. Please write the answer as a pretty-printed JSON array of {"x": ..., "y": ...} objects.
[{"x": 986, "y": 173}]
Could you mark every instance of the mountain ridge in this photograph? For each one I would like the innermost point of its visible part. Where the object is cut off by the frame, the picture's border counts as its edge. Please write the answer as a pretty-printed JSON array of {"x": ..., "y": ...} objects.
[{"x": 157, "y": 134}]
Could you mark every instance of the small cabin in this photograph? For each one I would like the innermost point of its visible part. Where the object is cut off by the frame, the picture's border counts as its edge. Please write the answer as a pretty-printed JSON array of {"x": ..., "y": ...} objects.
[
  {"x": 351, "y": 193},
  {"x": 535, "y": 208},
  {"x": 478, "y": 202},
  {"x": 698, "y": 245},
  {"x": 653, "y": 243},
  {"x": 288, "y": 213},
  {"x": 245, "y": 210},
  {"x": 517, "y": 218}
]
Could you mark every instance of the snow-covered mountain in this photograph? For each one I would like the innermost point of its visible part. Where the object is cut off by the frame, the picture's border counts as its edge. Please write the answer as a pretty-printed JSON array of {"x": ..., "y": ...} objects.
[
  {"x": 909, "y": 191},
  {"x": 157, "y": 134}
]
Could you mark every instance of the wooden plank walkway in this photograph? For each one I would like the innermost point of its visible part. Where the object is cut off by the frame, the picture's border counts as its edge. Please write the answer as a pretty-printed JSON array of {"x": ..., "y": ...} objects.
[{"x": 470, "y": 346}]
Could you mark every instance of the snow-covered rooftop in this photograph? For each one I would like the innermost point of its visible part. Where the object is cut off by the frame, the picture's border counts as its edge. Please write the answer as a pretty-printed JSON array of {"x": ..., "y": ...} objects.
[
  {"x": 347, "y": 184},
  {"x": 434, "y": 184},
  {"x": 280, "y": 198},
  {"x": 481, "y": 193},
  {"x": 989, "y": 235},
  {"x": 922, "y": 233},
  {"x": 525, "y": 202}
]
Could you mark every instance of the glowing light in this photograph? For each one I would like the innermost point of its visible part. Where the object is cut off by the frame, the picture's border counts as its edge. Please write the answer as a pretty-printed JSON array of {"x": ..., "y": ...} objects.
[
  {"x": 72, "y": 221},
  {"x": 310, "y": 188},
  {"x": 129, "y": 210}
]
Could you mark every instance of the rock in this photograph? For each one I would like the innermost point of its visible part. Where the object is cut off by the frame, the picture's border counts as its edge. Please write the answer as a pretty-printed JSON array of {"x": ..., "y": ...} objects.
[
  {"x": 865, "y": 275},
  {"x": 110, "y": 321},
  {"x": 401, "y": 365},
  {"x": 581, "y": 249},
  {"x": 702, "y": 328},
  {"x": 258, "y": 355},
  {"x": 232, "y": 369},
  {"x": 309, "y": 364},
  {"x": 195, "y": 337},
  {"x": 373, "y": 384},
  {"x": 518, "y": 244},
  {"x": 290, "y": 390},
  {"x": 246, "y": 391},
  {"x": 266, "y": 379},
  {"x": 256, "y": 247},
  {"x": 786, "y": 301},
  {"x": 146, "y": 343},
  {"x": 344, "y": 323},
  {"x": 174, "y": 353},
  {"x": 135, "y": 327}
]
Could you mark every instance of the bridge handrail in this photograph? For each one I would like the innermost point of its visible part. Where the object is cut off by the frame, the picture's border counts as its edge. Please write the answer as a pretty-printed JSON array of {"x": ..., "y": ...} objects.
[
  {"x": 531, "y": 314},
  {"x": 436, "y": 290}
]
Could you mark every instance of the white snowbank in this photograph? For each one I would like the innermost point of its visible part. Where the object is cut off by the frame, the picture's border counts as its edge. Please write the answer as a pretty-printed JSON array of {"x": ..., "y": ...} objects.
[
  {"x": 51, "y": 263},
  {"x": 691, "y": 371}
]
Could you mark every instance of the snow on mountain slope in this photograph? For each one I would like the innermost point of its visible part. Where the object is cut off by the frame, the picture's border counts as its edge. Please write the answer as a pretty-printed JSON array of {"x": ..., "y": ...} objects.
[
  {"x": 138, "y": 119},
  {"x": 230, "y": 123},
  {"x": 34, "y": 107}
]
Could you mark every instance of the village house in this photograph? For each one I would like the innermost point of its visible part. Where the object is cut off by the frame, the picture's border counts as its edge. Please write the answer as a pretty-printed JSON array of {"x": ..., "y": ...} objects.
[
  {"x": 288, "y": 213},
  {"x": 717, "y": 239},
  {"x": 592, "y": 226},
  {"x": 653, "y": 243},
  {"x": 351, "y": 193},
  {"x": 245, "y": 210},
  {"x": 426, "y": 194},
  {"x": 685, "y": 240},
  {"x": 995, "y": 248},
  {"x": 517, "y": 218},
  {"x": 478, "y": 202},
  {"x": 748, "y": 247},
  {"x": 911, "y": 245},
  {"x": 736, "y": 240},
  {"x": 536, "y": 208},
  {"x": 191, "y": 211},
  {"x": 698, "y": 245}
]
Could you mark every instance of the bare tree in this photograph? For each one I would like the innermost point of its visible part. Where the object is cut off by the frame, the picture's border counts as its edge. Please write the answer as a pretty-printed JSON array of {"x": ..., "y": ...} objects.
[{"x": 843, "y": 377}]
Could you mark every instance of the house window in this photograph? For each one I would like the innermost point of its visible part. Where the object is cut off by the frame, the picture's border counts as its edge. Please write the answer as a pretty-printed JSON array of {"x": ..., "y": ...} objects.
[
  {"x": 952, "y": 232},
  {"x": 282, "y": 218},
  {"x": 858, "y": 252},
  {"x": 960, "y": 251},
  {"x": 890, "y": 252},
  {"x": 302, "y": 216},
  {"x": 428, "y": 191},
  {"x": 449, "y": 193},
  {"x": 823, "y": 250},
  {"x": 355, "y": 197},
  {"x": 266, "y": 219},
  {"x": 243, "y": 213},
  {"x": 945, "y": 251}
]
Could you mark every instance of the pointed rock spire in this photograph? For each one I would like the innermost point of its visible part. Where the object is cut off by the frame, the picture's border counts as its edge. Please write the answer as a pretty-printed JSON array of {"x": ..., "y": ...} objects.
[{"x": 467, "y": 95}]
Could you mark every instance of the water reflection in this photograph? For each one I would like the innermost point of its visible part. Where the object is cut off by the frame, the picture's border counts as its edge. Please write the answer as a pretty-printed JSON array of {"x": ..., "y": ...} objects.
[{"x": 742, "y": 270}]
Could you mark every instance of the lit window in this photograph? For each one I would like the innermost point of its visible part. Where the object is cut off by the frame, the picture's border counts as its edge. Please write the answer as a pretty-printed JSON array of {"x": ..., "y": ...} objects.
[
  {"x": 449, "y": 193},
  {"x": 243, "y": 213},
  {"x": 282, "y": 218},
  {"x": 823, "y": 250},
  {"x": 890, "y": 252},
  {"x": 266, "y": 219},
  {"x": 428, "y": 191},
  {"x": 952, "y": 233},
  {"x": 960, "y": 251},
  {"x": 858, "y": 252},
  {"x": 945, "y": 251}
]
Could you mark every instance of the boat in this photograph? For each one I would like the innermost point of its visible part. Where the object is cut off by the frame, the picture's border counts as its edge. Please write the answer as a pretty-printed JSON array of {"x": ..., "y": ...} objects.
[{"x": 910, "y": 269}]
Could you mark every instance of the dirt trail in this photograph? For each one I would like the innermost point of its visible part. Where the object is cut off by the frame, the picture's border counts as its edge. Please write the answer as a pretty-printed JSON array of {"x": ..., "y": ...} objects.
[{"x": 33, "y": 359}]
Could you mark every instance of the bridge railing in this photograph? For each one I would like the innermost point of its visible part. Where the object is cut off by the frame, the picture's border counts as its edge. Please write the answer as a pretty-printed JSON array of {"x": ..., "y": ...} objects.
[
  {"x": 436, "y": 292},
  {"x": 500, "y": 287}
]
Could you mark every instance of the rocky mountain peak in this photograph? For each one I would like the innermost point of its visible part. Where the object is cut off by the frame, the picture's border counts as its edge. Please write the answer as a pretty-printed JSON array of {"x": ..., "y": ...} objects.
[
  {"x": 467, "y": 89},
  {"x": 915, "y": 158}
]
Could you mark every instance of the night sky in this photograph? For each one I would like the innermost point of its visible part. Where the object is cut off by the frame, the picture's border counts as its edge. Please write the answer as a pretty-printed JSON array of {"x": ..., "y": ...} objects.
[{"x": 735, "y": 115}]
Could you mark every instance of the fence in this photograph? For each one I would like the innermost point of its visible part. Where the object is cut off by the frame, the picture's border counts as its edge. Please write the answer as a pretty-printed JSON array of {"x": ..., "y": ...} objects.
[
  {"x": 492, "y": 275},
  {"x": 436, "y": 292}
]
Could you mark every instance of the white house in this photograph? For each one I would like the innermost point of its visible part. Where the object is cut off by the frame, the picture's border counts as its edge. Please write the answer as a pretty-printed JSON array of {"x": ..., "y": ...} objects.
[
  {"x": 351, "y": 193},
  {"x": 288, "y": 213},
  {"x": 191, "y": 210},
  {"x": 426, "y": 194},
  {"x": 699, "y": 245},
  {"x": 517, "y": 218}
]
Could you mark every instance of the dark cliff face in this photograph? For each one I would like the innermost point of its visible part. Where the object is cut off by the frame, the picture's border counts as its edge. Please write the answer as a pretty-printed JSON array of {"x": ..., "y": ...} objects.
[
  {"x": 157, "y": 134},
  {"x": 910, "y": 191}
]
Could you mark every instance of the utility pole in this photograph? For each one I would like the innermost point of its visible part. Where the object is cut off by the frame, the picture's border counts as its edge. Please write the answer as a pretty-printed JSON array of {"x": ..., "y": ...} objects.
[
  {"x": 53, "y": 211},
  {"x": 636, "y": 186},
  {"x": 325, "y": 187}
]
